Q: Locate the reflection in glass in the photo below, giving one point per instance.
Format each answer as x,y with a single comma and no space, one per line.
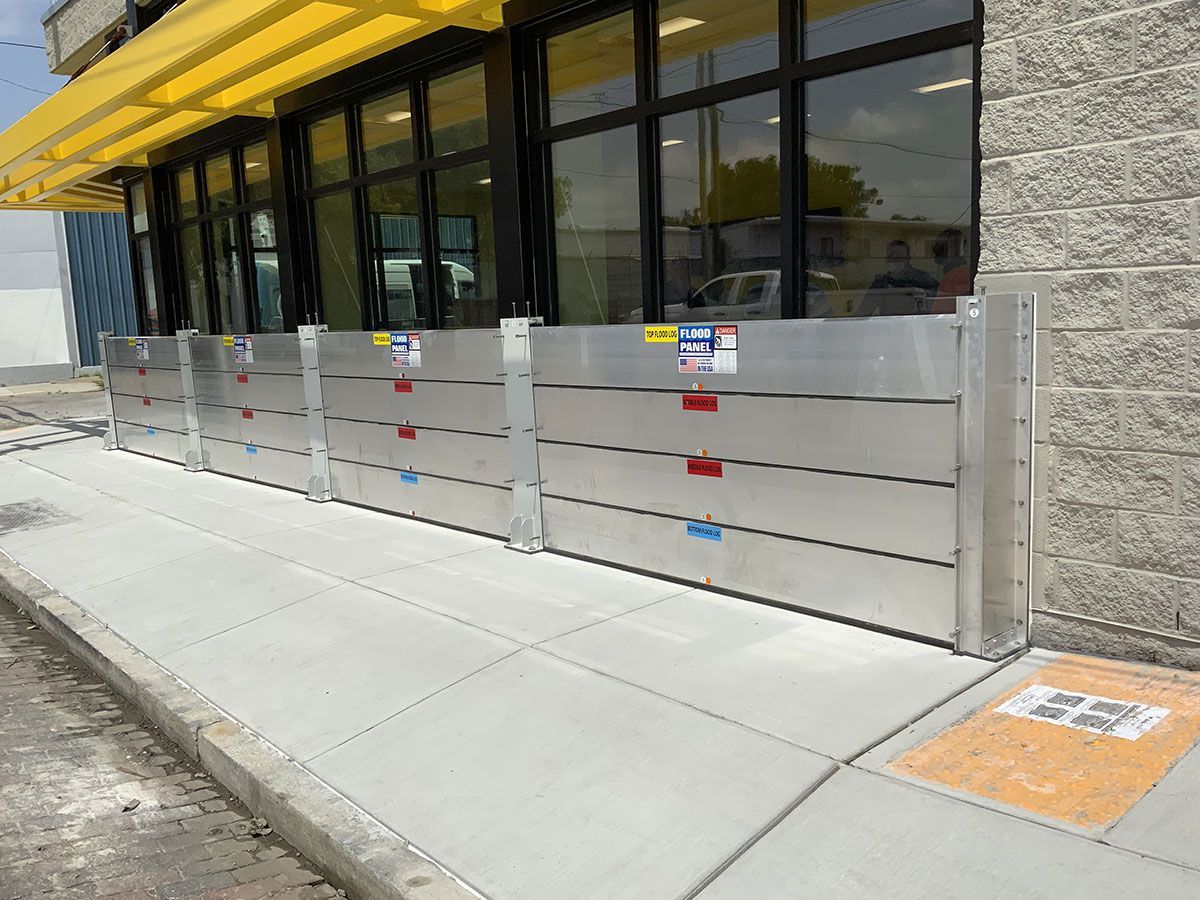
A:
185,194
397,278
387,132
146,265
137,204
466,243
218,181
831,26
458,111
327,158
257,173
597,238
266,271
590,70
227,278
721,190
337,262
191,263
703,42
888,228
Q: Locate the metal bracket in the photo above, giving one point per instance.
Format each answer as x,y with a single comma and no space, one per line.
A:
112,440
193,456
320,488
525,527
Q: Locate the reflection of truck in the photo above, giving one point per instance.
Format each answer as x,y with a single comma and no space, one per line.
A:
741,296
402,286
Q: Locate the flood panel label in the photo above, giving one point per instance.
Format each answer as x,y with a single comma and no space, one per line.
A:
247,414
243,378
142,373
145,401
402,387
406,349
151,432
699,403
243,348
662,334
381,339
707,349
709,467
251,450
141,348
408,478
704,531
227,340
1088,712
408,434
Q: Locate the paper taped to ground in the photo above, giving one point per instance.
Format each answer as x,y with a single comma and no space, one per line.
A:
1099,715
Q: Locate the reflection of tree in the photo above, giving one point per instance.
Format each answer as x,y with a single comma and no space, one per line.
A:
836,186
748,189
899,217
562,195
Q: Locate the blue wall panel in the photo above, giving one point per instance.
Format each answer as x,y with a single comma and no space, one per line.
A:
101,280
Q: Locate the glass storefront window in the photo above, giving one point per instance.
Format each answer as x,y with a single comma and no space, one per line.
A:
704,42
597,236
328,161
397,276
227,278
185,193
590,70
137,206
721,201
830,26
191,262
337,262
257,173
218,181
146,267
889,156
387,132
458,111
266,271
467,247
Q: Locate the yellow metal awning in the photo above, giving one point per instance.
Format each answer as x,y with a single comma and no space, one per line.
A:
204,61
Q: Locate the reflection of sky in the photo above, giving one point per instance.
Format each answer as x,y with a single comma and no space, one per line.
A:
914,148
20,21
870,23
603,173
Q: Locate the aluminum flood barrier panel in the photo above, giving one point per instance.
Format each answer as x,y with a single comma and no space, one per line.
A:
874,470
416,425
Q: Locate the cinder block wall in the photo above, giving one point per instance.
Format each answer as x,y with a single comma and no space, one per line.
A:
1090,135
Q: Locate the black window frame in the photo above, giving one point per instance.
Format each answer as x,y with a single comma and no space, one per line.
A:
423,169
134,238
540,19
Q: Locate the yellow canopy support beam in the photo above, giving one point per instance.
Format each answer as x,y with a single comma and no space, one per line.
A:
204,61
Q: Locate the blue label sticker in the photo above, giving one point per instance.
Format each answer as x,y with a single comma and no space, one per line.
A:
151,432
251,450
409,478
704,530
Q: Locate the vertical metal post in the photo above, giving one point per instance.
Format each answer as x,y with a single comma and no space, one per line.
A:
971,324
525,527
112,440
319,487
193,456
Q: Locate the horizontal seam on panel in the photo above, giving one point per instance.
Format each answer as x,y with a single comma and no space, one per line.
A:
148,397
411,424
734,393
155,427
743,462
384,378
305,453
297,373
760,531
256,409
355,462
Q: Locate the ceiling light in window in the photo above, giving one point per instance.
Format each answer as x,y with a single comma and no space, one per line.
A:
672,142
774,120
941,86
253,165
399,115
484,181
676,25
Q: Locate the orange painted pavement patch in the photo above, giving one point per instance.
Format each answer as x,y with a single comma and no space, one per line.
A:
1087,779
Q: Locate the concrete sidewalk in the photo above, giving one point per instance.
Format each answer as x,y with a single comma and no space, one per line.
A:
547,728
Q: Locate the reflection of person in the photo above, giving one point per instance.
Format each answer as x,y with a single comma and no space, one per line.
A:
956,274
901,277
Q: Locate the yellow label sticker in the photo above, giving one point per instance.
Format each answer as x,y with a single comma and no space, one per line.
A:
381,339
662,334
227,340
133,342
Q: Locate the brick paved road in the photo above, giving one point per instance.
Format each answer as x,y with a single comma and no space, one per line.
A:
74,759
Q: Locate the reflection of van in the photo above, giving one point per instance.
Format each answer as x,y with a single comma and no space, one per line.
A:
402,283
742,296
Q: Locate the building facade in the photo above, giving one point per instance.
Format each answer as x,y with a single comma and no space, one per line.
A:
441,165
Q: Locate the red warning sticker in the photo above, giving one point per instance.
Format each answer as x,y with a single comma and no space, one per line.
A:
402,387
403,431
709,467
243,378
700,402
247,414
145,401
141,372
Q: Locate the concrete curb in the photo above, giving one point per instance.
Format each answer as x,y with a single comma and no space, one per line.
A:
356,851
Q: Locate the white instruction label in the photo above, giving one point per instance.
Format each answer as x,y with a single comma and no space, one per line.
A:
1088,712
141,349
708,349
406,349
243,348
